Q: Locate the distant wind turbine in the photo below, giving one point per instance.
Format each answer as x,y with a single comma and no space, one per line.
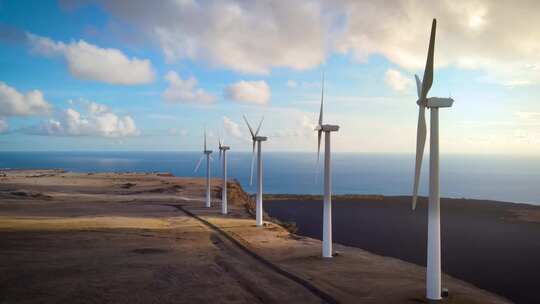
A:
433,275
327,207
223,151
206,153
257,140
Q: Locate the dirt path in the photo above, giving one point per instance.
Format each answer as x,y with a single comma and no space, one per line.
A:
234,245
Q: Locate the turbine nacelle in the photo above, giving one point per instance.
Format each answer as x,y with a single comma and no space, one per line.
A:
224,148
437,102
205,152
328,128
254,138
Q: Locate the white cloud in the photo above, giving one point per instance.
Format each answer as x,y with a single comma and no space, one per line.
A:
292,84
304,127
246,36
185,90
175,131
94,120
395,80
253,92
528,118
3,126
90,62
308,123
14,103
303,84
231,127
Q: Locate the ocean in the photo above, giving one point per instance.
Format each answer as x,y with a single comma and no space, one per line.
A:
503,178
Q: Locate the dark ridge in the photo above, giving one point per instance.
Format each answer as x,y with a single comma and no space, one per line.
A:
490,244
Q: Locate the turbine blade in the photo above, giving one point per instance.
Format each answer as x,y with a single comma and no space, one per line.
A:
418,86
259,127
428,71
220,152
249,127
322,101
319,135
204,138
252,163
211,158
198,164
420,144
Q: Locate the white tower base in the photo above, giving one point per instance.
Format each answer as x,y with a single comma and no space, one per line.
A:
224,191
259,201
327,207
433,275
208,202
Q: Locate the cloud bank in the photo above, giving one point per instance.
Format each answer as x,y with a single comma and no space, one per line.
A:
245,36
89,62
495,37
250,92
185,90
94,120
3,126
395,80
231,127
14,103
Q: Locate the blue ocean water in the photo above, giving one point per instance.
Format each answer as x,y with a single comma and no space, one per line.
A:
504,178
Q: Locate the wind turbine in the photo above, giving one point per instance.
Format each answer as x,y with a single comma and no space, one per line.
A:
257,140
223,151
327,205
433,274
206,153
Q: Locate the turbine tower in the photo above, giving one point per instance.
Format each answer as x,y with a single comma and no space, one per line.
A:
433,275
206,153
257,140
223,151
327,207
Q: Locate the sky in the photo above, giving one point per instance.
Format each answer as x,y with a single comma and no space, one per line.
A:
149,76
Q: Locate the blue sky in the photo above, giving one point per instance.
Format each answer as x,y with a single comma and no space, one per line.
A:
121,75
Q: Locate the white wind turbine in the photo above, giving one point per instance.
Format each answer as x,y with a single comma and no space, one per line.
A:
433,275
223,151
208,158
258,140
327,207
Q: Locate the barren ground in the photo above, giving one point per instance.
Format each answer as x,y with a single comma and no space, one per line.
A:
130,238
